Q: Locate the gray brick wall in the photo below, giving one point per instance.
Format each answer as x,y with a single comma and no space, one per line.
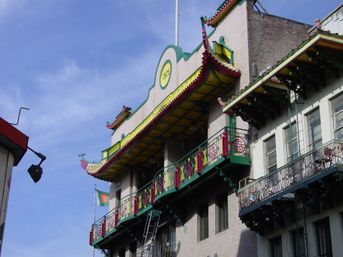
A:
271,38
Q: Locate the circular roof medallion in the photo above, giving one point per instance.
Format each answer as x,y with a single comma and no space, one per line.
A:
165,74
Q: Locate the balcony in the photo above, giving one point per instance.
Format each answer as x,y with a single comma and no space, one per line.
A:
311,178
228,146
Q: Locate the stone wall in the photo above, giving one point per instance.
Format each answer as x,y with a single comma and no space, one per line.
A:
271,38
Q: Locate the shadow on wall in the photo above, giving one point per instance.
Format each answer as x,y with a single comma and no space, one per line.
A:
247,244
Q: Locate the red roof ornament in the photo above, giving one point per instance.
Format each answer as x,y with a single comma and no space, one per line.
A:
222,11
121,117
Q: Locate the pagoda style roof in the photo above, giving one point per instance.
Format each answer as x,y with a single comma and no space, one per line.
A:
304,69
221,12
175,115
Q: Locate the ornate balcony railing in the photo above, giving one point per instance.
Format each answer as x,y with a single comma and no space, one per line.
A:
309,166
127,207
227,143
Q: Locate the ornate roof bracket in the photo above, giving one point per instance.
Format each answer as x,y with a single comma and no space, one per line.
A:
264,103
328,59
313,73
294,84
252,115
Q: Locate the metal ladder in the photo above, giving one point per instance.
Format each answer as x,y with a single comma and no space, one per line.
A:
150,231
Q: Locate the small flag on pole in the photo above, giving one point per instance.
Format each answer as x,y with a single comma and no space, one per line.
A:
102,197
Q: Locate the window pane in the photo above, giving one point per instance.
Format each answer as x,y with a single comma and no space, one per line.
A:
271,159
270,144
339,120
298,242
337,109
323,238
314,130
292,142
118,196
122,253
270,149
222,213
203,222
276,247
292,131
337,103
133,250
339,134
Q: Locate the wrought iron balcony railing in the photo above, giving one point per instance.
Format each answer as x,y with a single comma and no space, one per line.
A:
227,143
307,167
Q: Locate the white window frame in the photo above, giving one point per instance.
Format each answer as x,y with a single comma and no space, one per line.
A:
286,141
334,114
306,118
266,154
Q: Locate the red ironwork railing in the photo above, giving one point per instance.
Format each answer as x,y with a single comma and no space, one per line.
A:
165,180
225,143
303,168
145,197
127,207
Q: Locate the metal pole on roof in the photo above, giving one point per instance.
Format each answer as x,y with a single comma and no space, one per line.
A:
177,22
94,218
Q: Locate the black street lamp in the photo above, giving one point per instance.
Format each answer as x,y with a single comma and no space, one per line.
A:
36,171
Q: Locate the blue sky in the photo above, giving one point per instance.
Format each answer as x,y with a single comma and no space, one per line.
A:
74,63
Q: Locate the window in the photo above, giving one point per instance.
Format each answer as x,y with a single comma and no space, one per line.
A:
203,222
133,250
298,242
337,110
276,247
270,150
292,142
122,252
118,197
171,239
323,237
222,215
166,241
314,130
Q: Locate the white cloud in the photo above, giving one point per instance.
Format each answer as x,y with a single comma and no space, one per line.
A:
64,101
7,6
11,100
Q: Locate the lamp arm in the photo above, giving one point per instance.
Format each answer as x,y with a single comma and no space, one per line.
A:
40,155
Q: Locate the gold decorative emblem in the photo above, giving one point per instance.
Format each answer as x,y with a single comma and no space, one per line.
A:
165,74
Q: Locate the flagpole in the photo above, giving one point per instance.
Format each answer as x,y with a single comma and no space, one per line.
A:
94,219
177,22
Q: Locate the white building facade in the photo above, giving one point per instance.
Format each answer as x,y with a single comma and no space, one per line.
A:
292,197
